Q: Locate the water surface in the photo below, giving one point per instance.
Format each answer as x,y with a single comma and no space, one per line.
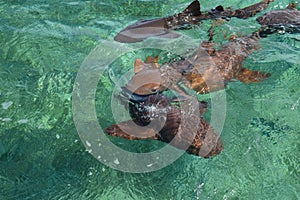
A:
43,44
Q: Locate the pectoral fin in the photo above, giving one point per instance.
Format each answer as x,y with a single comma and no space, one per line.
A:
131,131
249,76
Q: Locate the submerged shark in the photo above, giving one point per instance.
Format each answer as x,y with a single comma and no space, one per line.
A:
197,133
285,20
208,70
162,27
148,105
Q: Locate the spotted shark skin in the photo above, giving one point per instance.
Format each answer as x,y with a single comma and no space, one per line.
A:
162,27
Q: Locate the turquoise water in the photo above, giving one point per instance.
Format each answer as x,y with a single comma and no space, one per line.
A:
44,43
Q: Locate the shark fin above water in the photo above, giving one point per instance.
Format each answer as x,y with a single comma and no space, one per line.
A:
193,9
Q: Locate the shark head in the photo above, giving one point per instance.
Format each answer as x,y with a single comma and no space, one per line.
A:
147,78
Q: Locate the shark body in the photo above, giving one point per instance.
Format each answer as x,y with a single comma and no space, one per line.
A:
207,70
162,27
197,133
284,20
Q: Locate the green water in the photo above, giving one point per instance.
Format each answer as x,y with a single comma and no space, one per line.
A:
42,46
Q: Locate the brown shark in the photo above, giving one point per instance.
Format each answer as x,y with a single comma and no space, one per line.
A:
200,137
162,27
208,70
284,20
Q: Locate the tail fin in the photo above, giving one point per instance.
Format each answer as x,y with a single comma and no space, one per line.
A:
193,9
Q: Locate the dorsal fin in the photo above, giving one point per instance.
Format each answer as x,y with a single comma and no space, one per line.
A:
219,8
138,65
193,8
291,6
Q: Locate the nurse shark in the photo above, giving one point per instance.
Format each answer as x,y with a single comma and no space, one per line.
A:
280,21
162,27
195,136
147,104
208,70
